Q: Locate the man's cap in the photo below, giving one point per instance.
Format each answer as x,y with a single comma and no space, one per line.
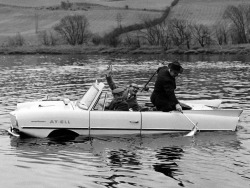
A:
175,66
118,90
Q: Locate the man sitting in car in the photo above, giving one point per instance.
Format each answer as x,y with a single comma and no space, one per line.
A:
129,93
118,103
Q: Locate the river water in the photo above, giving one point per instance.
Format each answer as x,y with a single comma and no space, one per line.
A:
214,159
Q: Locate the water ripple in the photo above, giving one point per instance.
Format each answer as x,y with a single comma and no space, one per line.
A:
208,160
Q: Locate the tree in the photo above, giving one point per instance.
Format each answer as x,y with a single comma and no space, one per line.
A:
180,32
36,22
155,34
74,29
119,19
201,34
240,21
221,33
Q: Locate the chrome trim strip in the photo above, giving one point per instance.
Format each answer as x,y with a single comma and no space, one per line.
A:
124,129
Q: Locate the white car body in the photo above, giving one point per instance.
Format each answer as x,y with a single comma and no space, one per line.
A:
88,117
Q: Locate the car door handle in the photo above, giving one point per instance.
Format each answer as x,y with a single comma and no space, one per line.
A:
134,121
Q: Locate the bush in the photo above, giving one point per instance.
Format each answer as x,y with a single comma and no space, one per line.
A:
66,5
132,41
17,40
47,38
111,40
96,40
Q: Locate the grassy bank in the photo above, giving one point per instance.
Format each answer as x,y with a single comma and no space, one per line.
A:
67,49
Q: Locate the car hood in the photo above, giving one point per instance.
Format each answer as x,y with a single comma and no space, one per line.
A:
64,104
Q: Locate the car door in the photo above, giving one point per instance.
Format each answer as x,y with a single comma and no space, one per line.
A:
163,122
114,122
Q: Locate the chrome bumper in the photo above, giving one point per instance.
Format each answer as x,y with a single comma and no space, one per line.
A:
14,132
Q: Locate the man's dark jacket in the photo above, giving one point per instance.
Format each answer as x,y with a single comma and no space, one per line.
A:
118,105
163,96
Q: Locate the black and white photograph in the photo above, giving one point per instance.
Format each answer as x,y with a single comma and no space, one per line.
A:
125,93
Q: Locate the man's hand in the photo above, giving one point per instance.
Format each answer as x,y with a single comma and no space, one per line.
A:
145,88
178,107
109,72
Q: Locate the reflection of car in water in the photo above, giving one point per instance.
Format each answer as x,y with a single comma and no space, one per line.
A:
167,165
49,118
165,156
125,157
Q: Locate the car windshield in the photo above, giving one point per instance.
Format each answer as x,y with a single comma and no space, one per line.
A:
88,98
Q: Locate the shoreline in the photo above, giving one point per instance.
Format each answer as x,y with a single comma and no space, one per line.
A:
99,50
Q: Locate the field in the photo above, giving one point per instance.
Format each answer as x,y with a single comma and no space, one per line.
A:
19,16
134,4
15,20
206,12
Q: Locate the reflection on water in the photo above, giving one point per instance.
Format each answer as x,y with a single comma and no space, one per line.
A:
209,160
167,165
122,157
137,161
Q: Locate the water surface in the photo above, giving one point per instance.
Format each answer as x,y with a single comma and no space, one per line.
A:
218,159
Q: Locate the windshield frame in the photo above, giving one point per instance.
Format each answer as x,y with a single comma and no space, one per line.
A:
89,98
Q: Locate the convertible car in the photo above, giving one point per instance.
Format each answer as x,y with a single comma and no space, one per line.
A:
88,116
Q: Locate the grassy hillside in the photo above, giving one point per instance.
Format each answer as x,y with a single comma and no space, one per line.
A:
19,15
205,12
34,3
137,4
101,19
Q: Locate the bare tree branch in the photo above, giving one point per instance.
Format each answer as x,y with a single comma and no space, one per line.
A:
74,29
